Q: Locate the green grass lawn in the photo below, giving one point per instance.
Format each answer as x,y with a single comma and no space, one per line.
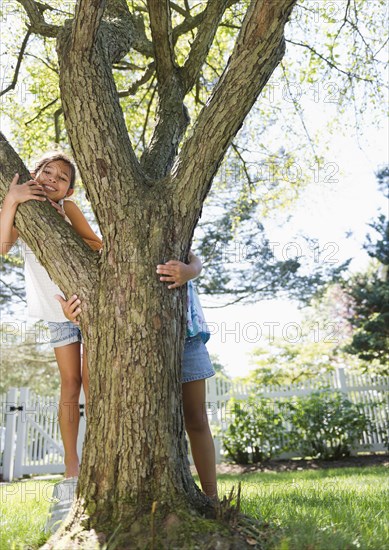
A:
334,509
23,509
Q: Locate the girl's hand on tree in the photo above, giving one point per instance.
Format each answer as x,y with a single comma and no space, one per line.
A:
175,272
71,308
58,208
31,190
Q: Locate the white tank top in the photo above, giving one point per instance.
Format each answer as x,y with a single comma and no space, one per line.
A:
40,291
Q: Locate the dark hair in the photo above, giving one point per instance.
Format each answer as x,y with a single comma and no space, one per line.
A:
52,157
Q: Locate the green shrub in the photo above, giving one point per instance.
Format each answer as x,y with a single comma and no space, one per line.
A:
256,432
323,425
326,424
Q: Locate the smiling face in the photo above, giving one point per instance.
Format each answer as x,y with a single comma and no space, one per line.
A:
55,178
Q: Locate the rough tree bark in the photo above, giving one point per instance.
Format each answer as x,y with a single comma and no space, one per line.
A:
134,453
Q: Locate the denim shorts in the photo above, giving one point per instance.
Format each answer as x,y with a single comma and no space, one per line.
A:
196,364
63,334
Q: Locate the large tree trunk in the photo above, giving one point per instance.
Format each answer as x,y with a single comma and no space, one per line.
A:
135,408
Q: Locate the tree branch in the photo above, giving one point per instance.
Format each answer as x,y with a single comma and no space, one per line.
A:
18,64
299,113
116,8
118,25
191,22
13,291
93,116
187,25
140,41
233,302
172,121
136,85
329,63
172,117
345,18
145,123
38,24
203,41
161,32
126,66
89,14
245,294
65,256
243,163
57,126
258,50
178,9
42,111
45,62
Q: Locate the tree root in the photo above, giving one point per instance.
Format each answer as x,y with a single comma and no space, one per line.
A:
222,527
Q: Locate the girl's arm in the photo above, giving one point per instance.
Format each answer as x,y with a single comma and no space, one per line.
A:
8,232
17,194
180,273
195,265
81,226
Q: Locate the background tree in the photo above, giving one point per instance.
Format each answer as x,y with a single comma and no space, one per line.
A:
243,265
310,348
369,295
11,281
147,201
218,367
27,359
285,362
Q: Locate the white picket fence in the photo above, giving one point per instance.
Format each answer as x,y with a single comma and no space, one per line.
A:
366,390
30,437
31,443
